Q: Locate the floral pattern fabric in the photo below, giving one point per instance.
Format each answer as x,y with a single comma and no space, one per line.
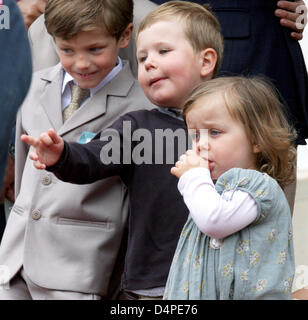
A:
256,262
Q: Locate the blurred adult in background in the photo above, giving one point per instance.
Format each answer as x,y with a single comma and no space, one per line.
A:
31,10
15,80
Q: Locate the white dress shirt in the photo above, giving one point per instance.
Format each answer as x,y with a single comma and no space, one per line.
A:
66,91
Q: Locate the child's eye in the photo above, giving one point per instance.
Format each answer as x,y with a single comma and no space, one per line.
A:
95,49
142,59
66,50
163,51
214,132
195,136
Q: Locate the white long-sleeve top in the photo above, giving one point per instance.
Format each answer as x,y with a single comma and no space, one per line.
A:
215,215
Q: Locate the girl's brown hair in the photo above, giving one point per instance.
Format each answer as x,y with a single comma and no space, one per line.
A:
255,103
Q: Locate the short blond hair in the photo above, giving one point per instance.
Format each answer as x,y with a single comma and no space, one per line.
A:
66,18
201,27
254,102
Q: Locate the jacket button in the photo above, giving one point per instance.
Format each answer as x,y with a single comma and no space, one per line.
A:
36,214
46,180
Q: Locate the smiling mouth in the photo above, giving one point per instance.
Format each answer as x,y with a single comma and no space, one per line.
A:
156,81
85,75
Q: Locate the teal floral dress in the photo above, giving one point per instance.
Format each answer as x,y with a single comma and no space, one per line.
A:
256,262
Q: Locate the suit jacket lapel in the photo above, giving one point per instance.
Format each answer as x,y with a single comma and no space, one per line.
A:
96,106
50,99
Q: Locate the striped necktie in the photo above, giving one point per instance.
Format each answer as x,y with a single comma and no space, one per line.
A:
77,96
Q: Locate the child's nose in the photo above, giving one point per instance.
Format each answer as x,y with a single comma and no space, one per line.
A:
203,150
203,142
82,62
150,63
202,146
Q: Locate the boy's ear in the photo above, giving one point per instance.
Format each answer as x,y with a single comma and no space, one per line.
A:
126,36
208,61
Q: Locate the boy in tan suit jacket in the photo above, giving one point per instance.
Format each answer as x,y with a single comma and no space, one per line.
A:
62,240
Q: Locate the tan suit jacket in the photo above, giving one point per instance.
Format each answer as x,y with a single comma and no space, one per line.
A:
67,236
44,53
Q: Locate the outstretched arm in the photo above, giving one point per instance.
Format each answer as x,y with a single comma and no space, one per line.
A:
47,148
80,163
293,15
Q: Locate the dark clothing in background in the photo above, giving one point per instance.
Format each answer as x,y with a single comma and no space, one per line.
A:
15,78
256,44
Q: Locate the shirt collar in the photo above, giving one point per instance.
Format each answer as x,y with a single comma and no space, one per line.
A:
173,112
67,78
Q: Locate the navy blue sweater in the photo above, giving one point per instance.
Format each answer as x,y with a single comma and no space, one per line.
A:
157,210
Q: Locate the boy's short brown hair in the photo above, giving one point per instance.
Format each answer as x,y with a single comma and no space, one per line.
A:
201,27
66,18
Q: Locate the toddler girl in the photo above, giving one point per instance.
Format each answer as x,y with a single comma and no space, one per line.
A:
237,242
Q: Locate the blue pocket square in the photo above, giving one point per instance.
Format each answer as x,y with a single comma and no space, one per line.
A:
86,137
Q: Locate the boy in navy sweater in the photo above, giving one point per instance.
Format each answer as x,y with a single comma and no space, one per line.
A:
142,146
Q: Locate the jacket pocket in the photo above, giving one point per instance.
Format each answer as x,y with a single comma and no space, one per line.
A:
84,223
